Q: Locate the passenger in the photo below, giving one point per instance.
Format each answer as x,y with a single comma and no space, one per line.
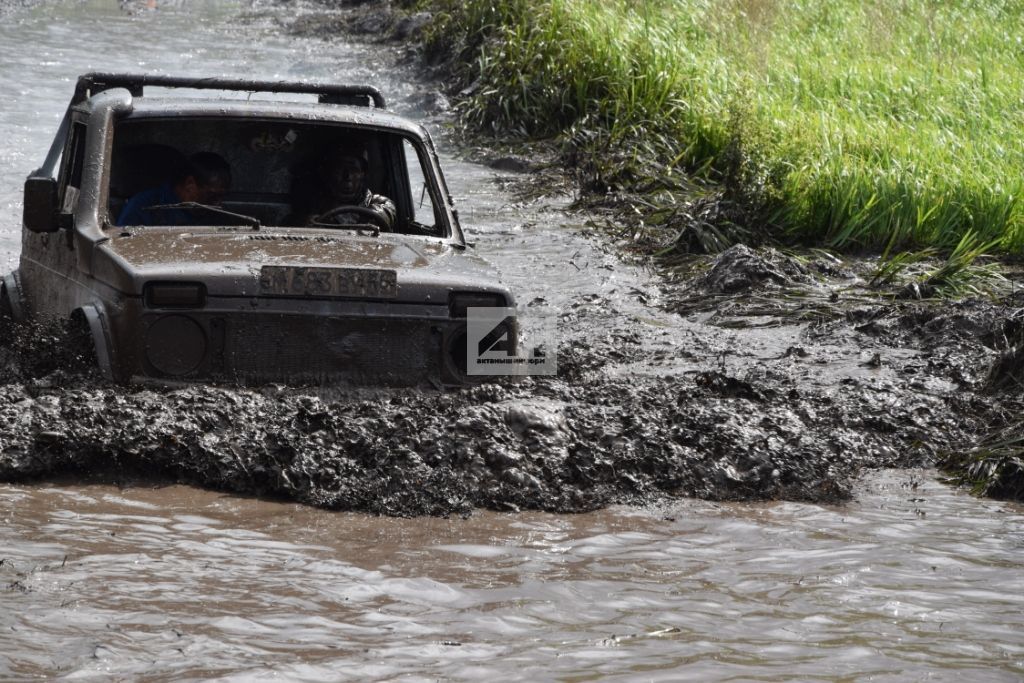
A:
343,183
204,179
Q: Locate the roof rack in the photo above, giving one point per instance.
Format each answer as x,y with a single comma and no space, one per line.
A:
359,95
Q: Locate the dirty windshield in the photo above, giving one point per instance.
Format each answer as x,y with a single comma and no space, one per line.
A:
223,171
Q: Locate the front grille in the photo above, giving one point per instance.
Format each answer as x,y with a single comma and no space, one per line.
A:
297,348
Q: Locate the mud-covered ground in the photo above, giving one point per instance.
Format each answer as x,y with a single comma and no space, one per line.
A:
784,378
751,375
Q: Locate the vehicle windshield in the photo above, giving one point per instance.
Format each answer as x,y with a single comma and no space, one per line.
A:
257,173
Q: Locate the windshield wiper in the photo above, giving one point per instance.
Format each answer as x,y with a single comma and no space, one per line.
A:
196,206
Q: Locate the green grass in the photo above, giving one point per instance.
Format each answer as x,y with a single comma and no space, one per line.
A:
994,468
958,276
848,123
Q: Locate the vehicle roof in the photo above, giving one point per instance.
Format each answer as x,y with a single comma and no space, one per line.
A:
160,107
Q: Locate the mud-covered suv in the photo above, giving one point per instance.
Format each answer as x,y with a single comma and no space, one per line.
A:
244,293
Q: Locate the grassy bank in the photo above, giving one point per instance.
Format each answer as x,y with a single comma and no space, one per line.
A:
851,123
994,468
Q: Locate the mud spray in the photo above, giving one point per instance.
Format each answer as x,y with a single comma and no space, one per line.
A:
861,386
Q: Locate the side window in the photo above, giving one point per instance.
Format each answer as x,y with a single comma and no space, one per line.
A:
72,163
423,209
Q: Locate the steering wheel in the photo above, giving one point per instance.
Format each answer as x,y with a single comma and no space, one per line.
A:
371,216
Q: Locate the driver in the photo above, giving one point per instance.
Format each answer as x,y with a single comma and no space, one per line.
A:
343,178
204,179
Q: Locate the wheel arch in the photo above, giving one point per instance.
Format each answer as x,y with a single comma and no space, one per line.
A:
93,316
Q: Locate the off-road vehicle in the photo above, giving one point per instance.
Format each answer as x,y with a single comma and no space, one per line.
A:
242,294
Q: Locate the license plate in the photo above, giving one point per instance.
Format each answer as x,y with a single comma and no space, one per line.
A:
365,283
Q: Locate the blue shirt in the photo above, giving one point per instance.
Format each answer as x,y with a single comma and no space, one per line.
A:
137,210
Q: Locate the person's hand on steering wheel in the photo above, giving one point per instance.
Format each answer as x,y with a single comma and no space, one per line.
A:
330,217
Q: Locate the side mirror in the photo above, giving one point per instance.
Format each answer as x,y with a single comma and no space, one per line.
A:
40,214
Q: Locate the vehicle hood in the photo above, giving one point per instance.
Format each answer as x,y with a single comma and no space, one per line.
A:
228,261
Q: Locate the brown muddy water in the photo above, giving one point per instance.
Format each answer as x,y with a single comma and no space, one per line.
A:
913,581
765,377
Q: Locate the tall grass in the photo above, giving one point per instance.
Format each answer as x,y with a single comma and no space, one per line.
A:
852,123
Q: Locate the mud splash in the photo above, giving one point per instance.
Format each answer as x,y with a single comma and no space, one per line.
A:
892,385
553,447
